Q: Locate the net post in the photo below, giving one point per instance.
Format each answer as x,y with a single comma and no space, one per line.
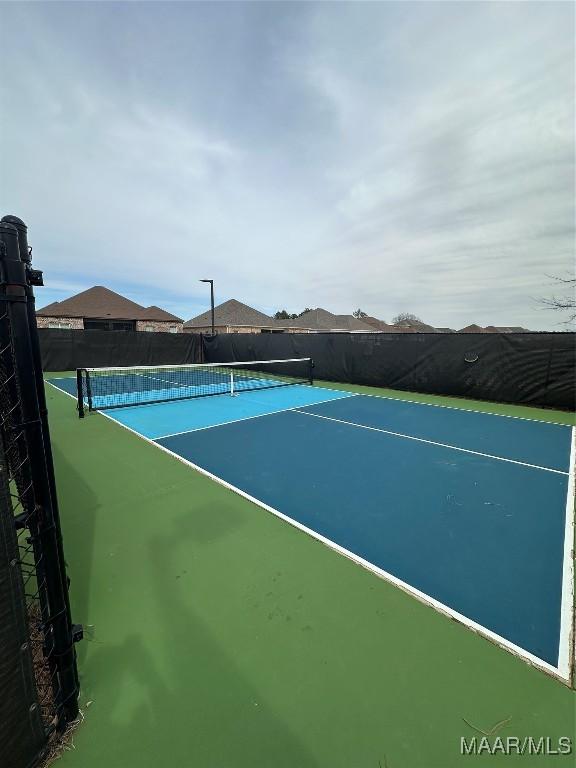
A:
311,371
232,383
80,393
88,390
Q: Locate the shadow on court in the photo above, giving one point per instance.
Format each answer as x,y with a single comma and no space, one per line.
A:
79,507
181,699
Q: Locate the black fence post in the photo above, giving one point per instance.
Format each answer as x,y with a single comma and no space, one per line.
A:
80,391
59,633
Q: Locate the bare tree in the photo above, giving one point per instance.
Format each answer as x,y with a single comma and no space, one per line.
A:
405,317
566,303
359,314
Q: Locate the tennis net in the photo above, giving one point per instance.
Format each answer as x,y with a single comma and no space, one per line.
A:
103,388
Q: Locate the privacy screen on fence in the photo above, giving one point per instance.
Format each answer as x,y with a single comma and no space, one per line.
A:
528,368
64,350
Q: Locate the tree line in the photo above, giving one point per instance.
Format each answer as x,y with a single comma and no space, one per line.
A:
283,315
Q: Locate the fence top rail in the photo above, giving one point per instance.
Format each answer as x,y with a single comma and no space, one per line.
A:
234,364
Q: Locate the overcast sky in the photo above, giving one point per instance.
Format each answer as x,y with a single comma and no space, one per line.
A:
390,156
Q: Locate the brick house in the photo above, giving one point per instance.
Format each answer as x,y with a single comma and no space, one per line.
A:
99,308
232,316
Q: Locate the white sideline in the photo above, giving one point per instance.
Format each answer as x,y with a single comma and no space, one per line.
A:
431,442
567,649
448,407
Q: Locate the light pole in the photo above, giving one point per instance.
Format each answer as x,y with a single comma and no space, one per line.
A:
211,300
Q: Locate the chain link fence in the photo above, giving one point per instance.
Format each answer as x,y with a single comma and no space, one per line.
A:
38,673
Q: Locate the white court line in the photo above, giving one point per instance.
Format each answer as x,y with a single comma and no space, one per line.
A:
59,389
430,442
224,383
567,649
558,672
164,381
256,416
449,407
196,366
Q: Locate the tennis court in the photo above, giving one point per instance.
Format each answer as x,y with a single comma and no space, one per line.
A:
470,512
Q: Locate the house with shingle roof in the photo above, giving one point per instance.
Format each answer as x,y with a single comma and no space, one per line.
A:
406,326
382,327
416,326
232,316
493,329
319,319
473,329
506,329
99,308
235,317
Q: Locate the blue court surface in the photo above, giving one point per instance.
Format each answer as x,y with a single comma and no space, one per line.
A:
470,512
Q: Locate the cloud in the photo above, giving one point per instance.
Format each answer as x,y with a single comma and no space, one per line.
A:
392,156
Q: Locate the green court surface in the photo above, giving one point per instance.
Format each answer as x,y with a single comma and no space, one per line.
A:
219,636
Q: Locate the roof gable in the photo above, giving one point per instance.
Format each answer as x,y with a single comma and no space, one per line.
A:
380,325
158,314
416,325
506,329
314,318
101,302
473,329
231,312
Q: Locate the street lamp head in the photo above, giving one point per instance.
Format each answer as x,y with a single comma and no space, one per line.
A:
206,281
